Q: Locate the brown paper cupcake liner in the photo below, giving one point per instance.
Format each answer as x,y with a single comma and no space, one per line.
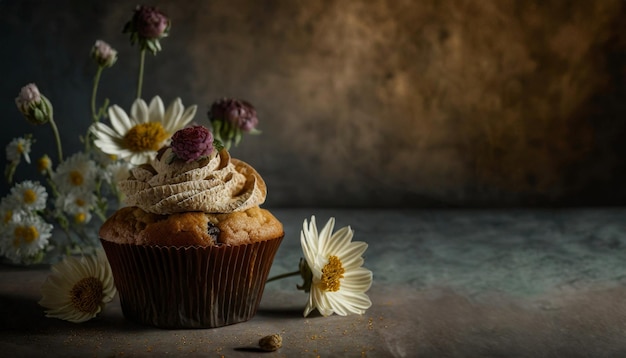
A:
190,287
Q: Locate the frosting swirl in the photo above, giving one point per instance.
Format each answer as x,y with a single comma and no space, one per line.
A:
214,184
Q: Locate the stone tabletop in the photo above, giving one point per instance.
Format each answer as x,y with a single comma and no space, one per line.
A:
447,283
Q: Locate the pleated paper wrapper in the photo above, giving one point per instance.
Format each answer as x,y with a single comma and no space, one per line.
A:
190,287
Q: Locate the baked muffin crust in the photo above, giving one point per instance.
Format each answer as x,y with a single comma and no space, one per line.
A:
132,225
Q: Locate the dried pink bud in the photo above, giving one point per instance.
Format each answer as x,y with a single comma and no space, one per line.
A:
192,143
35,107
29,96
103,54
150,23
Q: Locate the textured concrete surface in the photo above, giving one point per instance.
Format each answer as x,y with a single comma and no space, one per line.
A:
363,103
446,284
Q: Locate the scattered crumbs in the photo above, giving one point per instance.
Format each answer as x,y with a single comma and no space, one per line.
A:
149,349
345,332
370,324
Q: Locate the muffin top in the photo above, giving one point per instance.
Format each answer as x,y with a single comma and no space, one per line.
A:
133,225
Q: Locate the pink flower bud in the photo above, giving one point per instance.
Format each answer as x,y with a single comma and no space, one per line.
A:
192,143
29,96
103,54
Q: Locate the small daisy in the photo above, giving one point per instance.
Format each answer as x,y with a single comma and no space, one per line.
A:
337,281
78,288
118,171
138,137
77,203
25,238
17,148
9,212
44,164
29,195
78,172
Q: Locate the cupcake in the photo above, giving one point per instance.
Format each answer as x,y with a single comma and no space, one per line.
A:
192,248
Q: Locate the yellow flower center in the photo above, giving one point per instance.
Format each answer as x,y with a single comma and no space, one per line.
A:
8,215
20,148
25,233
79,202
29,196
87,294
145,136
80,218
76,178
332,272
43,164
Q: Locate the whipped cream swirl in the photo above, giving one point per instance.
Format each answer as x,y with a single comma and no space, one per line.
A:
215,184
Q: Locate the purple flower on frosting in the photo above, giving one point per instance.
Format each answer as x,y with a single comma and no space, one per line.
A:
192,143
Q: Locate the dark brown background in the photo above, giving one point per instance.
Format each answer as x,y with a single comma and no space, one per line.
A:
378,103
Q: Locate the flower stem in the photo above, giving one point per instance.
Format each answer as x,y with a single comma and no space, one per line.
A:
57,138
96,83
142,60
284,275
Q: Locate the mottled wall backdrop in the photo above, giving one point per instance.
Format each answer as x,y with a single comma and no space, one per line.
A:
362,103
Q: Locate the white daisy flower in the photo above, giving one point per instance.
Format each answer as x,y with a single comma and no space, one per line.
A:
44,164
338,282
138,137
29,195
118,171
25,238
77,172
78,288
78,203
10,213
17,148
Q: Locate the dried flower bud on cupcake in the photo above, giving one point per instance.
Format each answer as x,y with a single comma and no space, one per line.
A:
103,54
192,143
147,26
230,118
35,107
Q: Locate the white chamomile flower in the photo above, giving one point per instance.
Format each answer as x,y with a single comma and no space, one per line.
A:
77,172
119,171
78,203
136,138
17,148
25,238
78,288
337,282
10,211
29,195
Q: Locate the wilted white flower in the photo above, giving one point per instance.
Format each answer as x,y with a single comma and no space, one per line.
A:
25,238
29,195
138,137
78,172
78,288
17,148
338,282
